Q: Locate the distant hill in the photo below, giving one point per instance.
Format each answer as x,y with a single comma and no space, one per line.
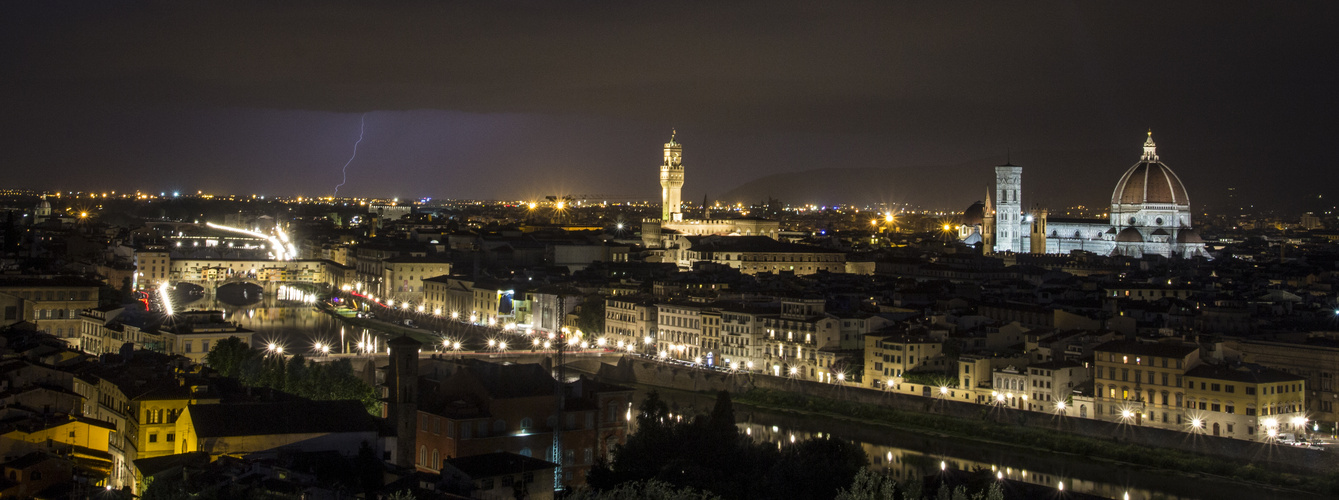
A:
1056,179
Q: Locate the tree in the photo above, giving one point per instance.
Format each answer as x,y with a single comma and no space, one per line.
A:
870,485
297,379
590,315
369,470
722,419
815,468
646,490
228,355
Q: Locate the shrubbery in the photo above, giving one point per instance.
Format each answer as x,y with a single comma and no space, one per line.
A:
327,381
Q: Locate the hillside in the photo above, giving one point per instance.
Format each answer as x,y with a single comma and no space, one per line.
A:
1051,179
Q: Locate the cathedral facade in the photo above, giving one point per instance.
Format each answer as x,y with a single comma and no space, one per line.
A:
1150,215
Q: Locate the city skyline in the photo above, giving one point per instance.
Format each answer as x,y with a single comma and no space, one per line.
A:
490,103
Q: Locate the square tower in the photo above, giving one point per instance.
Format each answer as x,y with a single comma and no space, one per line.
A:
1008,208
671,181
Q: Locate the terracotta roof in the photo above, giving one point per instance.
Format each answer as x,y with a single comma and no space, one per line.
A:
1149,182
286,417
1130,235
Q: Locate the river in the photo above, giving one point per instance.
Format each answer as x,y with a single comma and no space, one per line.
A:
902,454
905,455
292,323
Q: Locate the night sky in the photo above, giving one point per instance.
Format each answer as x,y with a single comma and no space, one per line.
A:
523,99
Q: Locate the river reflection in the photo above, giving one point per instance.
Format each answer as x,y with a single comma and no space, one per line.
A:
905,455
293,323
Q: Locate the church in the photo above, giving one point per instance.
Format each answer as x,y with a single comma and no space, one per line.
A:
1150,215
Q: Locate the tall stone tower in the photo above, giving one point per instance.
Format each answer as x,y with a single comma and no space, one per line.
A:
402,397
1008,208
671,181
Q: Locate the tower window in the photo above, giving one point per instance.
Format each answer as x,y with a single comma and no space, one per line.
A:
1158,221
1131,221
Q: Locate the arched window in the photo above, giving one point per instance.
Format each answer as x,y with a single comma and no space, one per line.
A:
526,424
423,455
436,460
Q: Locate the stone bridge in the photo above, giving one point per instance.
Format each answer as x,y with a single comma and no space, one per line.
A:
269,287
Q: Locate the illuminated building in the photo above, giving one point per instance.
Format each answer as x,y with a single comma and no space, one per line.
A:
665,231
1150,215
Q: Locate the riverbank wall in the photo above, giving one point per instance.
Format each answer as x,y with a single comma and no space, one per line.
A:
1280,457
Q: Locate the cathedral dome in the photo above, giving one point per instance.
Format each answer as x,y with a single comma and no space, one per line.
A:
1129,235
1149,182
974,214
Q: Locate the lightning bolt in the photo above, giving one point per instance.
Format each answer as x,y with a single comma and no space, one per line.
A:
362,125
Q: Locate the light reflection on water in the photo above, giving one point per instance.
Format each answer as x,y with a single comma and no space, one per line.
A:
289,322
905,455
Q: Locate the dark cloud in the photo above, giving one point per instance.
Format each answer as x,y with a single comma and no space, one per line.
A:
762,86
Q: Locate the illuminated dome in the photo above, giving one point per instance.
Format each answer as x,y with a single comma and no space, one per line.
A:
1150,196
1149,182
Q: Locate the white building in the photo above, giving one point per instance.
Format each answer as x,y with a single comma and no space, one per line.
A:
1150,215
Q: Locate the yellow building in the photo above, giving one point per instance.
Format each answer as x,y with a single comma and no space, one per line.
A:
888,357
1142,383
84,439
1245,402
156,412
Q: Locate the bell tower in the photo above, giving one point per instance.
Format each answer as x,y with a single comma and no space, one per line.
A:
671,181
1008,208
